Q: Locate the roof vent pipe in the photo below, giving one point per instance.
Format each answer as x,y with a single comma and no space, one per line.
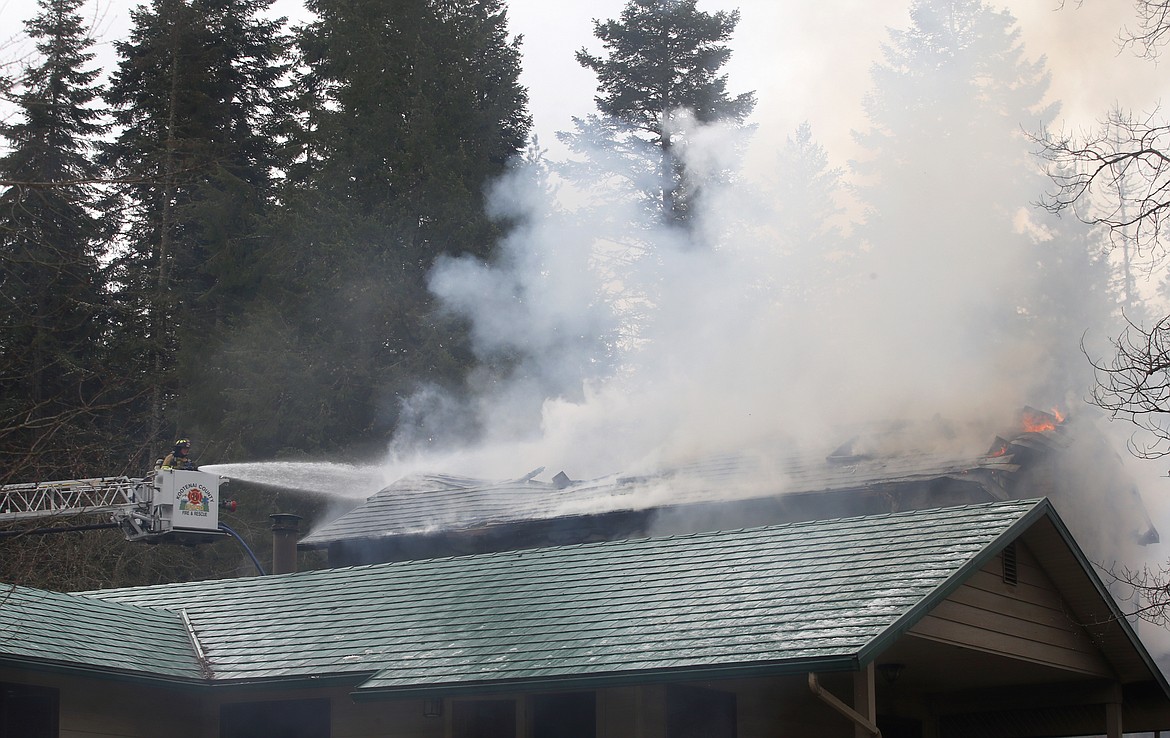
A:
285,529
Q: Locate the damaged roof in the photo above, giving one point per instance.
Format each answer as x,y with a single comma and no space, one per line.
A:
819,595
426,504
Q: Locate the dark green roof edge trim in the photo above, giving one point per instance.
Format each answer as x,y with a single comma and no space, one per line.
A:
351,679
612,679
102,673
196,684
874,648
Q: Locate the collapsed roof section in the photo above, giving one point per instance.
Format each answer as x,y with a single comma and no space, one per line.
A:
888,469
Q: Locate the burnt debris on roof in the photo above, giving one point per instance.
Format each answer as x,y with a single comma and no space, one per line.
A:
886,468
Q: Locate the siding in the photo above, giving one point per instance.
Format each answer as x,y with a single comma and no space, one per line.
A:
397,718
1027,620
97,708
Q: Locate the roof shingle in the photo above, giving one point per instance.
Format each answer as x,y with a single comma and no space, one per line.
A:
805,593
76,631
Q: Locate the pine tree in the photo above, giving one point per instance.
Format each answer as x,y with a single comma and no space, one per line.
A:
422,105
410,108
53,327
198,100
808,212
662,64
949,179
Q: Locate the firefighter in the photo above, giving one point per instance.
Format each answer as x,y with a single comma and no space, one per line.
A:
180,457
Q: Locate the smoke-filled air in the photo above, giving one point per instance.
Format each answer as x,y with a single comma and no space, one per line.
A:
835,221
807,295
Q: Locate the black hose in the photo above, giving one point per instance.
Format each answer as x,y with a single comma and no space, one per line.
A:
243,543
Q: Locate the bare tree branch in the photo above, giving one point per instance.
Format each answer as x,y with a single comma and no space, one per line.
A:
1134,384
1117,177
1146,592
1153,27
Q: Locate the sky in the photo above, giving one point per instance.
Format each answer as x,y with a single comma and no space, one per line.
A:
807,60
811,60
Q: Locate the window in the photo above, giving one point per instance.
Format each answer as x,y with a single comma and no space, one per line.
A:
277,719
899,727
27,711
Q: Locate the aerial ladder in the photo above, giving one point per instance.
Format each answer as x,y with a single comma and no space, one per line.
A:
169,505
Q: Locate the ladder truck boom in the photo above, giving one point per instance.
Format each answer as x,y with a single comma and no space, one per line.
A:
65,498
171,504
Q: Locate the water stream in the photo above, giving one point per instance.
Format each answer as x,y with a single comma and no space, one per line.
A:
342,480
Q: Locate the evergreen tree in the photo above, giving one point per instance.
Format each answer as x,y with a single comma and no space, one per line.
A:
662,64
53,329
421,106
949,180
809,213
198,101
411,107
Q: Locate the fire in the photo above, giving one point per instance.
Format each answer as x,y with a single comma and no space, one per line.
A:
1031,421
1038,421
999,448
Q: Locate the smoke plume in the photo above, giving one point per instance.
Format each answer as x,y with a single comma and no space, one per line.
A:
626,347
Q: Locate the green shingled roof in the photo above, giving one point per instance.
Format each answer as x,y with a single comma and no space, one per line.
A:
69,630
797,596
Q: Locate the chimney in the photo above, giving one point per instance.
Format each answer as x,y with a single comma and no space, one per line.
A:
285,528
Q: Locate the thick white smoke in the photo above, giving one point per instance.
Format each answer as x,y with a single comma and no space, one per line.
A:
720,346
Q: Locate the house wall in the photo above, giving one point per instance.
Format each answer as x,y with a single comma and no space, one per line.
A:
779,707
619,712
776,707
89,708
100,707
349,719
785,707
764,708
1026,620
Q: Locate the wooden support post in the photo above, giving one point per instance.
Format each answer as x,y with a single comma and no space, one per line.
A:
1113,720
865,700
866,724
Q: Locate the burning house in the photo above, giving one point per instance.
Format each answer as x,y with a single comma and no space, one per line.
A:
885,592
882,469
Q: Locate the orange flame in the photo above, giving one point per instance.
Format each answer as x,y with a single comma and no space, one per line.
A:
1000,448
1036,421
